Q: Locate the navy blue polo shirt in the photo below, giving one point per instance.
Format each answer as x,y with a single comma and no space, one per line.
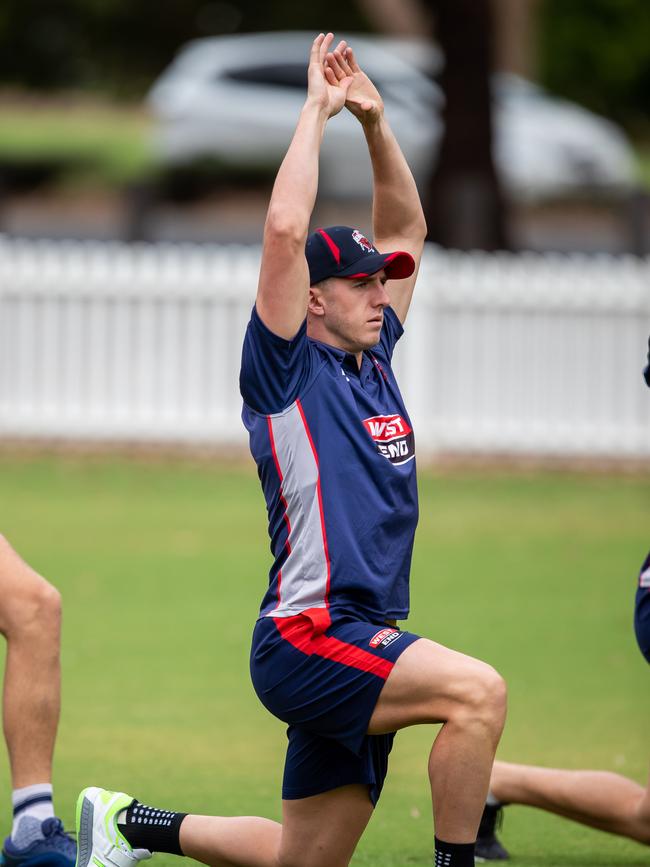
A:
335,453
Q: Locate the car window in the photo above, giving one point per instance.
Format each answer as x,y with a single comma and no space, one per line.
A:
291,75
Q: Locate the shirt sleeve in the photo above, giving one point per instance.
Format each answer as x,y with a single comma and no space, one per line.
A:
391,332
274,371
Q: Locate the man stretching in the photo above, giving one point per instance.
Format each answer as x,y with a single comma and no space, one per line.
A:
335,452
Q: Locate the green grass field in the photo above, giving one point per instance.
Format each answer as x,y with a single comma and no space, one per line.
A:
162,566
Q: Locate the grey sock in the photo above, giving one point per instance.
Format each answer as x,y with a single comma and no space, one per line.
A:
492,801
28,830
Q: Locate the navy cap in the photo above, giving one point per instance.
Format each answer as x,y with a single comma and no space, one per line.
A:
341,251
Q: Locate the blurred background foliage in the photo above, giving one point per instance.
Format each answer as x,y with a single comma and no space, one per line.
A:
598,53
74,75
594,51
118,46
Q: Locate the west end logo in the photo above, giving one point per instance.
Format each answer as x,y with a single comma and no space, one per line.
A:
393,436
385,637
362,241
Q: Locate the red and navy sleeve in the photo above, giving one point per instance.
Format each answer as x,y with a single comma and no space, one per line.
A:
274,371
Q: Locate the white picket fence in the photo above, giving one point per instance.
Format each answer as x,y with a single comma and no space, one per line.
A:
503,353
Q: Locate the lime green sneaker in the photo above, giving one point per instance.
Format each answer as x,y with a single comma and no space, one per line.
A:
99,842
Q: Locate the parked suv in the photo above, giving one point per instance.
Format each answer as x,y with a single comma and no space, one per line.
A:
237,99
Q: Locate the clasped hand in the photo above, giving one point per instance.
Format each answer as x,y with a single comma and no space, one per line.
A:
336,79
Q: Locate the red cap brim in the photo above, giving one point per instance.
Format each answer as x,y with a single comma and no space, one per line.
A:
397,266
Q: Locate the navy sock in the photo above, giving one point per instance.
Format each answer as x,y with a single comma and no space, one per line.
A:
454,854
153,829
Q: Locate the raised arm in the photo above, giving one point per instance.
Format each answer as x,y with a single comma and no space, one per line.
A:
397,217
283,288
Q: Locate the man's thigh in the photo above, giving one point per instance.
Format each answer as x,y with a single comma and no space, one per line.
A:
428,684
323,831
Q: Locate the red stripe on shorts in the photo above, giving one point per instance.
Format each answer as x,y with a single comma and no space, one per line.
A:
300,631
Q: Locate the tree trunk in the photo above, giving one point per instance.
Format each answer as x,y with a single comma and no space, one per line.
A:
465,208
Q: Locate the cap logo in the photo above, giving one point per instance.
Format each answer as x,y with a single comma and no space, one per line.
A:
362,241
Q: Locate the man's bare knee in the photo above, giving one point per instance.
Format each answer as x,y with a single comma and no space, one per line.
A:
308,859
643,833
27,601
285,860
49,604
33,612
637,827
483,700
45,608
642,822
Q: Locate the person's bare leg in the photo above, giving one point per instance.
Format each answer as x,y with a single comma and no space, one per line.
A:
429,684
321,831
30,620
246,841
603,800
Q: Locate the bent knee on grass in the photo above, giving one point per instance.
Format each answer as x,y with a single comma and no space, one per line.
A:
642,819
310,859
323,830
33,611
312,854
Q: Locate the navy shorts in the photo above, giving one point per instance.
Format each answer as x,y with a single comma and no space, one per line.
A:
323,678
642,609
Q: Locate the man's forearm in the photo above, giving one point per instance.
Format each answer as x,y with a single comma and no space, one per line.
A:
397,209
296,184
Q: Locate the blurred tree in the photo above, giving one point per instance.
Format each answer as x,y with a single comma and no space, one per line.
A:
598,53
119,45
515,36
399,17
465,207
463,204
595,51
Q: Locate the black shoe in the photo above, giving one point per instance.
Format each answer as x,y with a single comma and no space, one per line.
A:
488,847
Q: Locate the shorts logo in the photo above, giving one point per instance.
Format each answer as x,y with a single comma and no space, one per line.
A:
644,579
384,637
393,436
362,241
